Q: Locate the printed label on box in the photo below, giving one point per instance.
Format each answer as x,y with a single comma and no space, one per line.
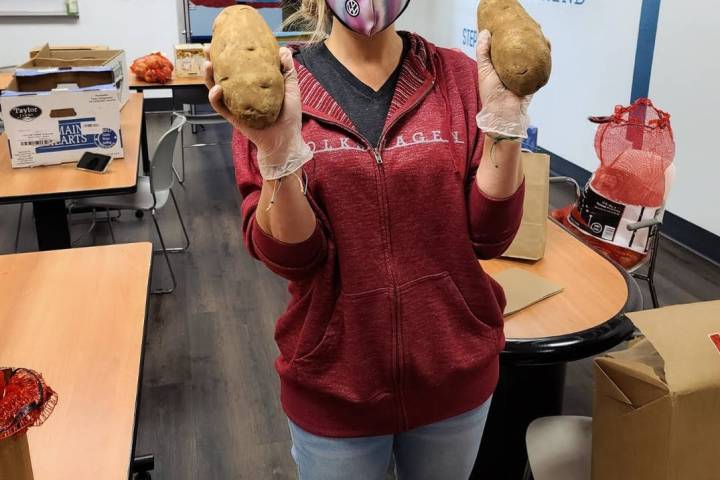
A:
39,138
26,113
91,128
715,338
72,136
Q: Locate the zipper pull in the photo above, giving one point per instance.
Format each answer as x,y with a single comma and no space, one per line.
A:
378,158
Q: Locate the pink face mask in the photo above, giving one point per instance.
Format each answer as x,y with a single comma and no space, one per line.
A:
367,17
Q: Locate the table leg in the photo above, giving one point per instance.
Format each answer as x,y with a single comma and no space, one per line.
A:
144,140
53,232
524,394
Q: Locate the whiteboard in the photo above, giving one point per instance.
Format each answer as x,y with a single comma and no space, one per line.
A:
21,8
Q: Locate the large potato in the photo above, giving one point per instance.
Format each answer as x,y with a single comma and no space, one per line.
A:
519,51
246,63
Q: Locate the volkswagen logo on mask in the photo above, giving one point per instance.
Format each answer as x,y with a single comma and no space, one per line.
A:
352,7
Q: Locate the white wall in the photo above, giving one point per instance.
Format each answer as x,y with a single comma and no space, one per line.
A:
33,6
593,52
137,26
684,82
594,43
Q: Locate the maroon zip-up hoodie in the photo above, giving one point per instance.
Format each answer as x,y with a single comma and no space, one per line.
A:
392,322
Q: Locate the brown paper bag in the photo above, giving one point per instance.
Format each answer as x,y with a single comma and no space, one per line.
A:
530,241
15,459
657,404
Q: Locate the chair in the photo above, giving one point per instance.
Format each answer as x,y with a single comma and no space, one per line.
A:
559,448
650,260
193,97
153,192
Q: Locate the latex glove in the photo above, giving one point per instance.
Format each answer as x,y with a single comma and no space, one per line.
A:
503,113
281,148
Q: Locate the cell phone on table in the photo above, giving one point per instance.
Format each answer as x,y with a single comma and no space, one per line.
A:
94,162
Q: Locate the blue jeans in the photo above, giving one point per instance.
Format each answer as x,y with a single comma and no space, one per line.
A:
441,451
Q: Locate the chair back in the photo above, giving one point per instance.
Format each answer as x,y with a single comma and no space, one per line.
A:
205,119
161,166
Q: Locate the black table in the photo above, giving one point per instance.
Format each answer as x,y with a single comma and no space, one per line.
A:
533,364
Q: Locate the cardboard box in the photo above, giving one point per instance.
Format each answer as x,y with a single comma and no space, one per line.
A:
657,404
34,51
531,239
52,60
15,458
189,60
52,126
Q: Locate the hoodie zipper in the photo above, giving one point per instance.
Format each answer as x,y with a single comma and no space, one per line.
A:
378,157
398,368
398,373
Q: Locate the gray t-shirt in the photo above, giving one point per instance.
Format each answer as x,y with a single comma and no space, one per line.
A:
366,108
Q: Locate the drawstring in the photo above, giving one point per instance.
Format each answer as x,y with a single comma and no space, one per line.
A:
278,185
441,85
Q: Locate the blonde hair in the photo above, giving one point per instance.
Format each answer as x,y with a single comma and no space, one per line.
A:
312,16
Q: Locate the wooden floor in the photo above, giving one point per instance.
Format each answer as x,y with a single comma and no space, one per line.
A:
209,405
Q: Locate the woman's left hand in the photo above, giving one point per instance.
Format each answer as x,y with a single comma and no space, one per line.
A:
503,113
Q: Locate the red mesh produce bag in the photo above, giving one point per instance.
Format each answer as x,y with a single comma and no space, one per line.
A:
25,401
214,3
636,149
153,68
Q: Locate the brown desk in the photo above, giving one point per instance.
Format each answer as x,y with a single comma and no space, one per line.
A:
5,79
193,86
586,319
78,316
49,186
137,84
594,290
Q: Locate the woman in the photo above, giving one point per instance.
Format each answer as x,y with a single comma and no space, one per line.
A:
375,194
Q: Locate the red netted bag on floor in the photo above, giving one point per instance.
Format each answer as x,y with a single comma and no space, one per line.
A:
214,3
153,68
636,149
25,401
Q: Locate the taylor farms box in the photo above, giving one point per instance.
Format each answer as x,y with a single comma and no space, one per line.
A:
49,60
189,60
57,125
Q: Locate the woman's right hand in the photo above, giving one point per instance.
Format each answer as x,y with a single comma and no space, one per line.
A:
502,112
281,149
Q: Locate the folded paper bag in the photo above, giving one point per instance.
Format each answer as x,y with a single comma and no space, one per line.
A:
524,289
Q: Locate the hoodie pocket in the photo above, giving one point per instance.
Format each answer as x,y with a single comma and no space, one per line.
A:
499,297
441,337
353,361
